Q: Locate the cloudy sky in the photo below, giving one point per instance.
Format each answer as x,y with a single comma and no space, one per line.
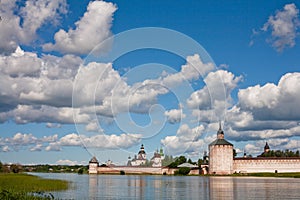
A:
84,78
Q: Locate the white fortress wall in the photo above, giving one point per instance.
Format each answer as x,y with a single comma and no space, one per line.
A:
256,165
133,170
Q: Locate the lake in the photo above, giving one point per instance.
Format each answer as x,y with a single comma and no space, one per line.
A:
175,187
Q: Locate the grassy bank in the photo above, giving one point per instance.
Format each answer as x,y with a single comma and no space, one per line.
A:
23,186
287,175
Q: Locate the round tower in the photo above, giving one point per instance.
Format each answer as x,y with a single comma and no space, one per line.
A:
220,155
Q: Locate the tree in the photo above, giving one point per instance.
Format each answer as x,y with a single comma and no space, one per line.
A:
80,171
234,153
182,171
167,160
178,161
15,168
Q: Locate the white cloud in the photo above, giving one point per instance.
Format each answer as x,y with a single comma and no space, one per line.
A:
275,144
70,162
174,115
284,26
91,29
252,149
93,127
100,141
38,147
53,125
27,141
273,102
262,134
5,149
219,86
36,13
53,146
192,70
187,140
24,114
20,24
72,139
23,139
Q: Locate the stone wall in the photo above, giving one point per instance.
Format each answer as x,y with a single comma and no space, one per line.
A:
254,165
129,170
221,159
141,170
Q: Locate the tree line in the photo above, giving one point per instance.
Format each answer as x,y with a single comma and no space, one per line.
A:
280,154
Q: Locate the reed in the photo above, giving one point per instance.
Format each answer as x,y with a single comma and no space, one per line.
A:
25,186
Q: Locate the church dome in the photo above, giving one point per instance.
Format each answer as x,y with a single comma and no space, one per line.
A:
142,150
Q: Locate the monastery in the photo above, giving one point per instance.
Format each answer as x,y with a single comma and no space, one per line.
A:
221,162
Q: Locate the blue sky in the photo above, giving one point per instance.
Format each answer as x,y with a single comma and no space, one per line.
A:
165,76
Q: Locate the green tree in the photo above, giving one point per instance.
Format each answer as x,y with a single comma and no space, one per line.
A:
178,161
80,171
167,160
182,171
15,168
234,153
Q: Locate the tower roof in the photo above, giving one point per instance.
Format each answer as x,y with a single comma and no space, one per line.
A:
220,142
93,160
220,131
266,146
220,138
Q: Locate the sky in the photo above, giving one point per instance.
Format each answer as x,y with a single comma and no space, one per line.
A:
99,78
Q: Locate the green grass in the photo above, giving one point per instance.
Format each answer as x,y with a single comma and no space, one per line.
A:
288,175
23,186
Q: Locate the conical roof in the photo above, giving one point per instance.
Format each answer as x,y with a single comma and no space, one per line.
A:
93,160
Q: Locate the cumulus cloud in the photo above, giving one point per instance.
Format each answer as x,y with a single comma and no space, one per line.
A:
5,149
211,102
93,127
100,141
262,134
271,101
53,125
284,27
70,162
187,140
192,70
38,147
28,79
91,29
174,115
20,24
24,114
275,144
24,140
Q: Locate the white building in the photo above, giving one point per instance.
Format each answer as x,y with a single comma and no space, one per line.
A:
157,158
139,159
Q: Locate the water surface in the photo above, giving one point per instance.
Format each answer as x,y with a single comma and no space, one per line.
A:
175,187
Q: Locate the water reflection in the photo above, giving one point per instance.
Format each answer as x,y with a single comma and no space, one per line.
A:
221,188
176,187
93,186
